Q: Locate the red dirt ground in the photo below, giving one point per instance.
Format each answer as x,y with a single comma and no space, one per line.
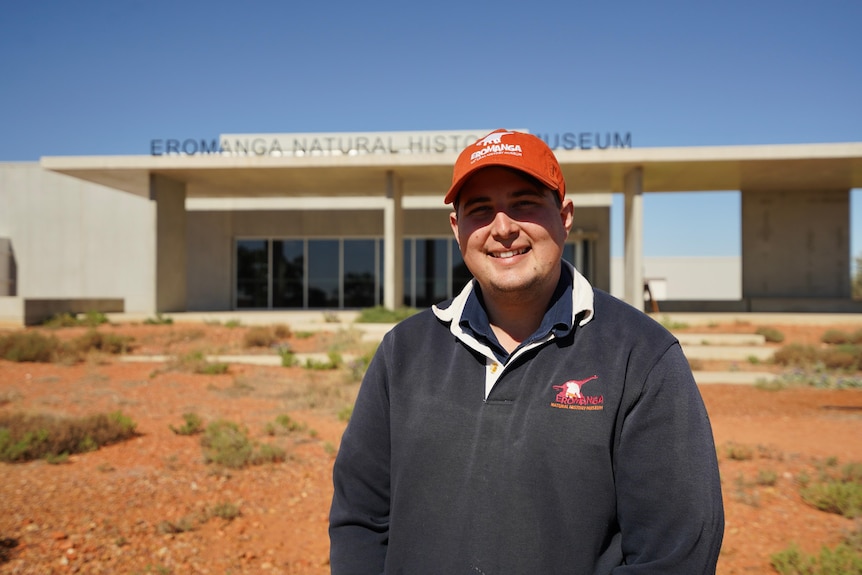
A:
105,511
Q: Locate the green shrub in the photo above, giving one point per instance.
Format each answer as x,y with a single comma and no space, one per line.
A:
159,320
89,319
738,452
196,362
841,495
95,340
345,414
25,437
845,357
30,346
835,337
225,510
284,424
193,425
817,377
381,314
226,443
771,334
288,358
796,354
845,559
334,361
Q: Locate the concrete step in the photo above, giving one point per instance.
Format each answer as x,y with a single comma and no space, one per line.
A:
737,339
731,377
728,352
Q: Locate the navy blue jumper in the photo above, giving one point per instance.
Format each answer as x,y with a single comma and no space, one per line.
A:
587,452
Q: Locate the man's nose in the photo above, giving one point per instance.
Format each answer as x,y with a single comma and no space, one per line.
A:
503,226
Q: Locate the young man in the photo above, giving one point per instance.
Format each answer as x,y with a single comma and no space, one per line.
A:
531,425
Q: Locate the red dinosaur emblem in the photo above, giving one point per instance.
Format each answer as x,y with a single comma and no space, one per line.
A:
572,388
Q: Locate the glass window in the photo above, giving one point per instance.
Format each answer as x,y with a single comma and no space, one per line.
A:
288,268
460,274
409,288
431,271
252,277
323,268
359,273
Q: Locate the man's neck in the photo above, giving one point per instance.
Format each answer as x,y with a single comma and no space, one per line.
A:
516,316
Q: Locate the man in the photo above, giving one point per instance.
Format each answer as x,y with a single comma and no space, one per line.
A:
532,425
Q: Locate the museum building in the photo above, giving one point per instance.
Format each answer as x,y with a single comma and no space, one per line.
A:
353,220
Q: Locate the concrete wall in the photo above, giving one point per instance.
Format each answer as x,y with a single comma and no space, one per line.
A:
73,239
687,278
796,244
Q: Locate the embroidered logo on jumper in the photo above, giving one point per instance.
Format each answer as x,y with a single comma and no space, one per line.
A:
570,395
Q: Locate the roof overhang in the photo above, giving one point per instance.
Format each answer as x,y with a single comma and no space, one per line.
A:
774,167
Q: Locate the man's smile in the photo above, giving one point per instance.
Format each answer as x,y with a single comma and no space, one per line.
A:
510,253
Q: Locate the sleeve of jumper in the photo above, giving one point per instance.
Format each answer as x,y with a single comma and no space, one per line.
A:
669,499
359,516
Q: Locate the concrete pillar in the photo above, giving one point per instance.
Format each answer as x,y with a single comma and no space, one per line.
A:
170,265
633,255
393,244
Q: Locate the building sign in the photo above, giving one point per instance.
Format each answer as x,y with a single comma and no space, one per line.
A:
362,143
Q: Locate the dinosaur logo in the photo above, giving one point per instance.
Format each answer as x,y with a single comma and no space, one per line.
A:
490,139
571,396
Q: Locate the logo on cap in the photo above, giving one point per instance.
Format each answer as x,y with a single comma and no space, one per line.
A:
492,144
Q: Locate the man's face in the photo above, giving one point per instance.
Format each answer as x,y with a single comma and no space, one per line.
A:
511,232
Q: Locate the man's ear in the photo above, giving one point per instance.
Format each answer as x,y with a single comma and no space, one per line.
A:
453,222
567,213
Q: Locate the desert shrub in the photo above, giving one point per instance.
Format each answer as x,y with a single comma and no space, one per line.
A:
845,559
259,336
835,337
817,377
841,494
288,358
381,314
847,357
226,443
24,437
196,362
281,330
193,425
284,424
30,346
738,452
767,477
89,319
670,324
796,354
159,320
771,334
333,361
345,413
95,340
225,510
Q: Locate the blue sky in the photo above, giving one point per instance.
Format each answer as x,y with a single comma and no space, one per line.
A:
106,77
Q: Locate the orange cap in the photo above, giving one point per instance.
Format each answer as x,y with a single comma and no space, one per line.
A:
524,152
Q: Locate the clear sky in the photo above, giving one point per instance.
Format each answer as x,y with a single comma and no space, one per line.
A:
105,77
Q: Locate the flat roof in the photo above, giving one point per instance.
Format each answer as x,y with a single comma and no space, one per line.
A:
782,167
